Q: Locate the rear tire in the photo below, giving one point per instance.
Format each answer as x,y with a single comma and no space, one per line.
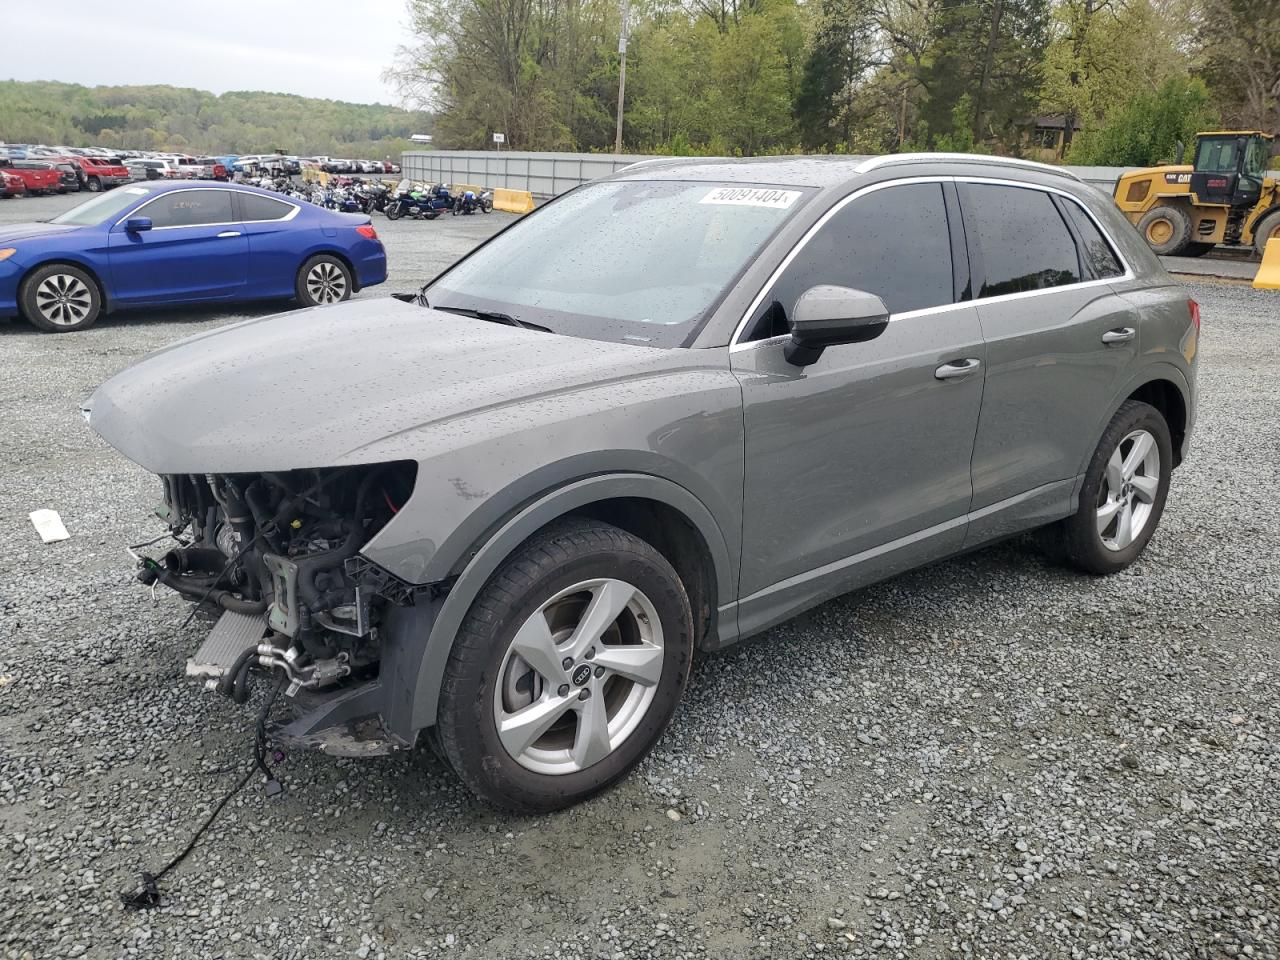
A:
1166,230
60,298
321,280
1123,495
1268,229
522,730
1197,249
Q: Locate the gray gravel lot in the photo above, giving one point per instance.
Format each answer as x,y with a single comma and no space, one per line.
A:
989,758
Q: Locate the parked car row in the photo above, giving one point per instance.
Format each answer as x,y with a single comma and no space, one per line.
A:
95,168
60,173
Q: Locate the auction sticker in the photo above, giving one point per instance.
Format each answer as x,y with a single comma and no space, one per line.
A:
752,197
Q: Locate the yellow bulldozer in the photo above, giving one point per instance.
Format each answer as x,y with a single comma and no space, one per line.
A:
1225,196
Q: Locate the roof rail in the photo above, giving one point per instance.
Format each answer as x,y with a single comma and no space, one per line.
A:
892,158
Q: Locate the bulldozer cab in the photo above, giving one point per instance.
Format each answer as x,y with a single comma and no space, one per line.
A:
1229,167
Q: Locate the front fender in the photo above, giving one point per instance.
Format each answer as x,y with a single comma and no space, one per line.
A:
419,639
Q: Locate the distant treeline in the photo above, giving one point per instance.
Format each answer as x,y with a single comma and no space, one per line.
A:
1087,81
179,119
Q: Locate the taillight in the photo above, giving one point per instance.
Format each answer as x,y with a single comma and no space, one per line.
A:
366,230
1195,314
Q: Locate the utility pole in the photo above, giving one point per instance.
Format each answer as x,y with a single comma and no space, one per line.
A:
622,73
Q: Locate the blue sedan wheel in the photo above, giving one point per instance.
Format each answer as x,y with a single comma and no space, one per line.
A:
60,298
323,279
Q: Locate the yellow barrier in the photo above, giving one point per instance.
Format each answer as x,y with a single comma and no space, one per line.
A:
512,201
1268,277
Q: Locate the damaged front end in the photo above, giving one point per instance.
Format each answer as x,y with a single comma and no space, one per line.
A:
278,555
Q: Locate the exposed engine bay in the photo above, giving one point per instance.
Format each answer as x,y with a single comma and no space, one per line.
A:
278,555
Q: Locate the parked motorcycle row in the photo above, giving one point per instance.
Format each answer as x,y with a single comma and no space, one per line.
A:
416,201
421,201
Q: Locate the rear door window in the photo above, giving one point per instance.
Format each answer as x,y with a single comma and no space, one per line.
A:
893,242
189,208
1021,240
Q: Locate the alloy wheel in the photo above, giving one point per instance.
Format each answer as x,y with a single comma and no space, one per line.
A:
579,676
64,300
326,283
1129,487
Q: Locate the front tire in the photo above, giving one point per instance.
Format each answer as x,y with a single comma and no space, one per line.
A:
1123,495
95,185
567,668
60,298
1268,229
323,279
1166,230
393,211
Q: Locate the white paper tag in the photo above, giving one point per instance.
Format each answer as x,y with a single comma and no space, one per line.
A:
752,197
49,525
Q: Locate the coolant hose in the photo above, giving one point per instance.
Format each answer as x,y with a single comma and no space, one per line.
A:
308,567
223,598
227,683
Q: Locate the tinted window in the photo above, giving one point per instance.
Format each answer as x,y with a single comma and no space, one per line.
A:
892,242
254,207
187,208
1099,259
1024,243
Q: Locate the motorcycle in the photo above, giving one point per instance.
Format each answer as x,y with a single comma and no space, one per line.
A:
470,202
412,203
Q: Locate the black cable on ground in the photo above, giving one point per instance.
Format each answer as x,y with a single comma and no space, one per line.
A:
147,895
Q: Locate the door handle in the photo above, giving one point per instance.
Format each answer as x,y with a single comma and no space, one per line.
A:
958,368
228,233
1119,335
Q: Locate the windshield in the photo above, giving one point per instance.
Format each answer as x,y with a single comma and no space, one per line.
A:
103,207
642,261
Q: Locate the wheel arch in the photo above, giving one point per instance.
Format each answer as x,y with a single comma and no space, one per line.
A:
1256,219
1164,387
1165,396
108,305
658,510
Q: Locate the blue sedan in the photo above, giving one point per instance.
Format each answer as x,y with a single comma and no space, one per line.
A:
178,243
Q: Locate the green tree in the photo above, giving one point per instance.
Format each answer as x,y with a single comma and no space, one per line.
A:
1147,128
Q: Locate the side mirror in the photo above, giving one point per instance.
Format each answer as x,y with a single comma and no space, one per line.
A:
137,224
825,316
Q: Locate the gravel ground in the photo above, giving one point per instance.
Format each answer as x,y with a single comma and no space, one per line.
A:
989,758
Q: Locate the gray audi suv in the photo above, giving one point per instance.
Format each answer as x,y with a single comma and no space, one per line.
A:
664,412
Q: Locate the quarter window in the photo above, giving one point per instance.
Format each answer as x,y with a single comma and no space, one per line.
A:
1025,244
254,208
1099,259
189,208
892,242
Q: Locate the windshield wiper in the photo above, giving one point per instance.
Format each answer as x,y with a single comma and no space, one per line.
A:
493,316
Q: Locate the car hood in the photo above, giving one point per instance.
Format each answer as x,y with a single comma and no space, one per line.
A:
15,232
313,388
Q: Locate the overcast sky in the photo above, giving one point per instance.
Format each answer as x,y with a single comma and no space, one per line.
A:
321,48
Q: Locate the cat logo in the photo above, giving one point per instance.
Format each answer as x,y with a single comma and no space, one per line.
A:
1177,178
